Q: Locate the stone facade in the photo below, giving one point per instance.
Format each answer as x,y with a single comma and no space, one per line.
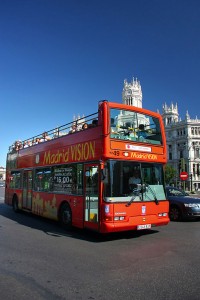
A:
183,142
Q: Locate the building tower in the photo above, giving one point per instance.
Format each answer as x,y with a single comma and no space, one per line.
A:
170,114
132,93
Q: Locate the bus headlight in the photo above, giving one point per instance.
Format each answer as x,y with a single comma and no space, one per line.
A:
121,218
162,214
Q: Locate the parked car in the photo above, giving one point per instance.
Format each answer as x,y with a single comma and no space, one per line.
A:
182,205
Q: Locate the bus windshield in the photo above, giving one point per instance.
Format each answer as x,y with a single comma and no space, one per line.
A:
124,181
134,126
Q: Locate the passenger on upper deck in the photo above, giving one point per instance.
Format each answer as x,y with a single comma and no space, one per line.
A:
73,128
85,126
18,145
45,137
142,132
37,141
94,122
25,144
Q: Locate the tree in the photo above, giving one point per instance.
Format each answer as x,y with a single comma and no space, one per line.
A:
170,174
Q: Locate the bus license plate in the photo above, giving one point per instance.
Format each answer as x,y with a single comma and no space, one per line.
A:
145,226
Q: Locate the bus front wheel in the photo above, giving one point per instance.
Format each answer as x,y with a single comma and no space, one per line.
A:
65,216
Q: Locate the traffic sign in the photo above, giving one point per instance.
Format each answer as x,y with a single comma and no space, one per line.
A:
183,175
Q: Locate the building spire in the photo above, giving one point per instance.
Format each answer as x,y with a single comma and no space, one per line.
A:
132,93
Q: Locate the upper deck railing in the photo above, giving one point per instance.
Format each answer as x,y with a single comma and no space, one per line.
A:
69,128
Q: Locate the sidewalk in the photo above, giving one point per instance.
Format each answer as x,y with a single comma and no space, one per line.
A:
194,194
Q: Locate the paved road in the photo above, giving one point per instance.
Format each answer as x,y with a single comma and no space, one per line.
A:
39,260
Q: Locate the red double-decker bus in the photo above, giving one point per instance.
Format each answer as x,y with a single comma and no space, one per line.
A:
106,176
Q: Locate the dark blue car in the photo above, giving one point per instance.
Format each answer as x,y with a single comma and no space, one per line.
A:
181,205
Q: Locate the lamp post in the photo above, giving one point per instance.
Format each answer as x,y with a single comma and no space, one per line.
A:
191,182
189,148
188,170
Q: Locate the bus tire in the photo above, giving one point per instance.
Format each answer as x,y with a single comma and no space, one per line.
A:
65,216
15,204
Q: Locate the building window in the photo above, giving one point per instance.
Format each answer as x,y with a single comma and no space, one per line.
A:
170,152
15,180
198,169
43,180
196,152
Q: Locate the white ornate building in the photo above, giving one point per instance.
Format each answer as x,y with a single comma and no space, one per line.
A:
183,142
132,93
183,136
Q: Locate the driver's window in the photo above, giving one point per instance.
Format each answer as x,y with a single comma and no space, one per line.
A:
135,178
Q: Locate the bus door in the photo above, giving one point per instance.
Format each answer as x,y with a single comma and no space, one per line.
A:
27,189
91,213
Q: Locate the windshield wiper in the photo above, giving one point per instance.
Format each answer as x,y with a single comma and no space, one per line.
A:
153,193
136,193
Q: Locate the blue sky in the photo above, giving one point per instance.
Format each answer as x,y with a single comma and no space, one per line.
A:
58,58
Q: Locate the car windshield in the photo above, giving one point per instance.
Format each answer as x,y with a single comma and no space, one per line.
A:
175,192
126,181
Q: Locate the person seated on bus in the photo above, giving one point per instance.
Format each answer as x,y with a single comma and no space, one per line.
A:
73,128
56,133
45,137
18,145
125,128
25,144
29,143
142,134
37,141
134,180
94,122
84,126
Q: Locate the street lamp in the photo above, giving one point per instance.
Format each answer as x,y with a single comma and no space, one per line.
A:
191,182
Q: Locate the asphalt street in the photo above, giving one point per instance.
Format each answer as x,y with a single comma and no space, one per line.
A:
39,260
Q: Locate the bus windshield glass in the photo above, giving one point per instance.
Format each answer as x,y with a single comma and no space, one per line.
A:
125,180
134,126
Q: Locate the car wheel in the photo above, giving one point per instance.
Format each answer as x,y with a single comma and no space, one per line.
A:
65,216
175,213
